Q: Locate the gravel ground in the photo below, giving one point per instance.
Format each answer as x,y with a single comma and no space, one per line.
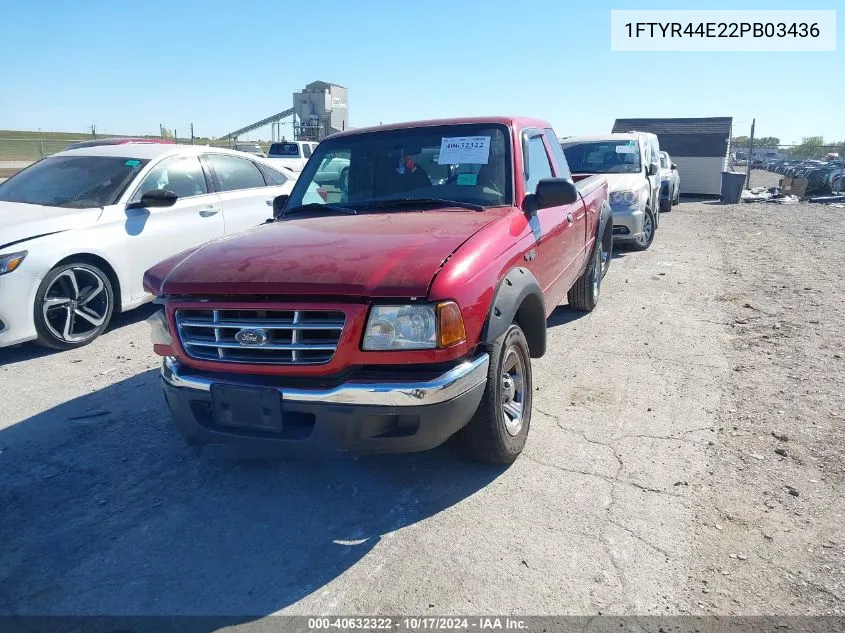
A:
685,456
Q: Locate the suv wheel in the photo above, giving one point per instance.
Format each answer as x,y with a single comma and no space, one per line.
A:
497,432
647,234
73,306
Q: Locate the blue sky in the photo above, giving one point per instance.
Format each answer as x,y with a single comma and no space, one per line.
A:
128,66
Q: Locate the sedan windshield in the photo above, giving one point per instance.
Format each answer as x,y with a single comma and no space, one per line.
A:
77,182
603,157
467,164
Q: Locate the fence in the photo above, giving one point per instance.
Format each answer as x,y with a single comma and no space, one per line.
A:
31,149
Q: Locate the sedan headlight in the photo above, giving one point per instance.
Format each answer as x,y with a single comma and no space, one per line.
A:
627,198
419,326
159,332
10,262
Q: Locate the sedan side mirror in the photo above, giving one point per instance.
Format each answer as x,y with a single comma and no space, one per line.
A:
653,169
555,192
674,167
279,204
155,198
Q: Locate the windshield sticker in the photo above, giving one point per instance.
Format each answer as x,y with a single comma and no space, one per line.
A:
132,163
626,149
457,150
467,179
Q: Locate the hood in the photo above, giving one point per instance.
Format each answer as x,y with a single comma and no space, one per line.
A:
625,182
20,222
367,255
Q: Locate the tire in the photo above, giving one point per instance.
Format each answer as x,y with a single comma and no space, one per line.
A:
496,434
642,243
73,306
666,205
676,199
584,295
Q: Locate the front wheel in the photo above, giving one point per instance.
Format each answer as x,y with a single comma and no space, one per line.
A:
73,306
497,432
647,234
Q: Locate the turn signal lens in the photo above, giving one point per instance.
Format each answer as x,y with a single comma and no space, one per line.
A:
451,330
159,332
10,262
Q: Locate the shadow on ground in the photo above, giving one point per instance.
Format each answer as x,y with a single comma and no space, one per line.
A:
30,350
106,511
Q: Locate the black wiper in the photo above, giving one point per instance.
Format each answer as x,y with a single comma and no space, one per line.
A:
316,206
413,202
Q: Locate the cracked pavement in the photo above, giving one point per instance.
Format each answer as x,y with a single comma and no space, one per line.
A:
640,490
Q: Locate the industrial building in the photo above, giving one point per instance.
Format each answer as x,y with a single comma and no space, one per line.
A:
698,146
318,110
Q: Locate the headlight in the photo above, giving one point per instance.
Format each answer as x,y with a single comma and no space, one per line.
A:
159,333
424,326
10,262
627,198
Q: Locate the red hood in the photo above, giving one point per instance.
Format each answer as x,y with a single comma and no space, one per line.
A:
371,255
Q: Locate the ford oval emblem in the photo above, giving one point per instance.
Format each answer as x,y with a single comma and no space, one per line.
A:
251,336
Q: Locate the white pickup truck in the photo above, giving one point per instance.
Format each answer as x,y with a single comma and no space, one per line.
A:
292,154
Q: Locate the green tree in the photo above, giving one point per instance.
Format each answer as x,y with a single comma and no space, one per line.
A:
767,141
739,141
810,147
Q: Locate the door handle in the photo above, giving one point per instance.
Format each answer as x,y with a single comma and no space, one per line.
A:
207,212
569,218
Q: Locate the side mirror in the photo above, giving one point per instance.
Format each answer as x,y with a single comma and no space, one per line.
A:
674,167
555,192
154,198
279,203
653,169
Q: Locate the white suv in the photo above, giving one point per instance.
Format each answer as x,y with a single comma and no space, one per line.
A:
631,164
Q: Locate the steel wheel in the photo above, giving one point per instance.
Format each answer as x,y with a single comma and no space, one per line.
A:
598,270
76,305
513,391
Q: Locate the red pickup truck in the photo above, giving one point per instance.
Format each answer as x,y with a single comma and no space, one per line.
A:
392,310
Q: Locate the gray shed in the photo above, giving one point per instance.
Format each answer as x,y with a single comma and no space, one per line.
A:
699,146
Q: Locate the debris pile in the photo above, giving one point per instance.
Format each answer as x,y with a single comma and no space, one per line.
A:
767,194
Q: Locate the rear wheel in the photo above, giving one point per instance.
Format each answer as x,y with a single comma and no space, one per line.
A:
677,197
584,295
647,234
497,432
73,305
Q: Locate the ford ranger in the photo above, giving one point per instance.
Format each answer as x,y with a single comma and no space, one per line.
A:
394,311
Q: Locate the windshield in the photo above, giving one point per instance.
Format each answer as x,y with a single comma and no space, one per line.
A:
463,163
603,157
78,182
284,149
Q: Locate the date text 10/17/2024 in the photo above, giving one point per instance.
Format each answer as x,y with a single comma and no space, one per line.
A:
418,623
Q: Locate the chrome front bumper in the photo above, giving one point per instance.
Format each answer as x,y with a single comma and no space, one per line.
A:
447,386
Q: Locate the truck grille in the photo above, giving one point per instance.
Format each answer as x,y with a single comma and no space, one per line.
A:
278,337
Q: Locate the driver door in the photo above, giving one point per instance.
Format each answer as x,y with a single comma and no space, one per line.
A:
153,234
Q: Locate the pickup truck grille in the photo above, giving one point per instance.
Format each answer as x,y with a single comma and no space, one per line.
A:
277,337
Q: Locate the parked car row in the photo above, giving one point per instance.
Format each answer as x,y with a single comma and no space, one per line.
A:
822,176
386,298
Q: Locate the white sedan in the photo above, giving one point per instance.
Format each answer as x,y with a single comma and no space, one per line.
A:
78,229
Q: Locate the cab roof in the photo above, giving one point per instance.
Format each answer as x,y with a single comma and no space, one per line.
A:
518,122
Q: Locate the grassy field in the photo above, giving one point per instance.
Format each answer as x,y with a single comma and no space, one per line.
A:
32,146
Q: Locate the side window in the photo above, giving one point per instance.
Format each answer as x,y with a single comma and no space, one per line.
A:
272,177
235,173
180,174
557,152
306,150
655,146
538,164
646,149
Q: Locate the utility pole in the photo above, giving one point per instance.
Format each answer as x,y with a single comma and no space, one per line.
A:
192,133
750,155
93,131
175,135
161,130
